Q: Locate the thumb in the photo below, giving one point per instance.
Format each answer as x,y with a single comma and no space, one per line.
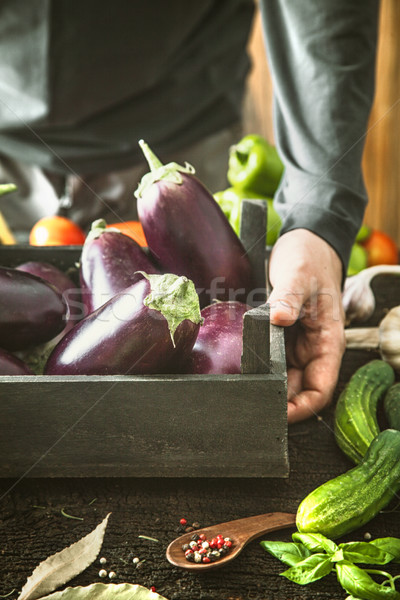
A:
285,306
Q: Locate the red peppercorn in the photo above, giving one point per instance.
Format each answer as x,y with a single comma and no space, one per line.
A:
183,521
153,588
202,536
228,543
205,559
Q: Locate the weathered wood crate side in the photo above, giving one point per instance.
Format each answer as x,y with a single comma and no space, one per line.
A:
181,426
145,426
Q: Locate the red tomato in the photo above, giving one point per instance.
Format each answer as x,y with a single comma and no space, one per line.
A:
381,249
56,231
132,229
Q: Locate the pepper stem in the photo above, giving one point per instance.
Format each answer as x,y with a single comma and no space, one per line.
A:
153,161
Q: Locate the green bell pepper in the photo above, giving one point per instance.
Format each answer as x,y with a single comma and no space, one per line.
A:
255,165
230,201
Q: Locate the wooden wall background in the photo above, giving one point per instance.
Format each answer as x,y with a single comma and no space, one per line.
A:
382,148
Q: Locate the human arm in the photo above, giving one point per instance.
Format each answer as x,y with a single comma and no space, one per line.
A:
322,59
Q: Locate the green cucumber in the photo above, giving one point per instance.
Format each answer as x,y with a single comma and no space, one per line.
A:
356,423
352,499
391,406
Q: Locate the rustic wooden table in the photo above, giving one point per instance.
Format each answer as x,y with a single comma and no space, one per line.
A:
33,524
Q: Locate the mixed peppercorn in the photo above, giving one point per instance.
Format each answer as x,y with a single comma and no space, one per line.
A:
202,550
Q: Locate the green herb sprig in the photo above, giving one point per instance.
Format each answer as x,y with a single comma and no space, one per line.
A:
311,556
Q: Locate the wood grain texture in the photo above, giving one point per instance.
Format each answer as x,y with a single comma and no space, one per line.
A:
382,149
253,228
32,526
60,426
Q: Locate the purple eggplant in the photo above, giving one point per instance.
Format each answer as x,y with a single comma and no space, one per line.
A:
11,365
32,310
63,283
189,234
109,263
147,328
219,345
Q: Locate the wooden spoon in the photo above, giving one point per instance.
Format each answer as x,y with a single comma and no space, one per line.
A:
240,531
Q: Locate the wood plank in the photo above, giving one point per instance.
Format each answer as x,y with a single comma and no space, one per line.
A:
181,426
253,232
382,149
256,341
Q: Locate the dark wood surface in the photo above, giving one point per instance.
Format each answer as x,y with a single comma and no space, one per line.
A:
33,526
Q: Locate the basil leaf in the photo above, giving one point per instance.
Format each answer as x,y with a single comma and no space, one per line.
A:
310,569
364,552
358,583
288,552
316,542
390,545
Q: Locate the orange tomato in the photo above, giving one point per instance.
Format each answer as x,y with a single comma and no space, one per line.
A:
132,229
381,249
56,231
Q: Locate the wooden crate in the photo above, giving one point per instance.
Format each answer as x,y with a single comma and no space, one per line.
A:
152,426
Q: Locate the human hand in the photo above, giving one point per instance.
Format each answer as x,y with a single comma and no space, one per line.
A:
306,273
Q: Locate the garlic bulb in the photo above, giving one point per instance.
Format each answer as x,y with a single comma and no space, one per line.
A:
389,335
358,298
385,338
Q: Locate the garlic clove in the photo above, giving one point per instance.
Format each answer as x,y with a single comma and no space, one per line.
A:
389,337
358,298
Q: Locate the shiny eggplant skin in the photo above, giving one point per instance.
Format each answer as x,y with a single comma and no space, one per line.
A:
219,345
32,311
62,282
122,337
108,266
189,234
11,365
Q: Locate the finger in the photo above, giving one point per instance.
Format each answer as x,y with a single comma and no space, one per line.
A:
306,404
285,306
312,390
294,383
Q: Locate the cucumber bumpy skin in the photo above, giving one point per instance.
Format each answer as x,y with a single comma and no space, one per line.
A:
356,423
391,406
352,499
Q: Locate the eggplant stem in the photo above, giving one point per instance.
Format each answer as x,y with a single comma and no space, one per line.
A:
153,161
363,338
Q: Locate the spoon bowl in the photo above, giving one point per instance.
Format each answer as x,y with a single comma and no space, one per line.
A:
240,531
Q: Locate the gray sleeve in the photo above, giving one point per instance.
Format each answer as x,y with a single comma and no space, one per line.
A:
322,60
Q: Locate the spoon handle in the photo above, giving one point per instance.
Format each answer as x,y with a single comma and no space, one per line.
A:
251,527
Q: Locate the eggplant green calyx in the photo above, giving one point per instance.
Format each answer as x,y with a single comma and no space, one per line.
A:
170,172
96,229
175,297
5,188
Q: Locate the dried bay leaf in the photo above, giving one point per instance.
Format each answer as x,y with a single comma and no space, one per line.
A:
106,591
59,568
